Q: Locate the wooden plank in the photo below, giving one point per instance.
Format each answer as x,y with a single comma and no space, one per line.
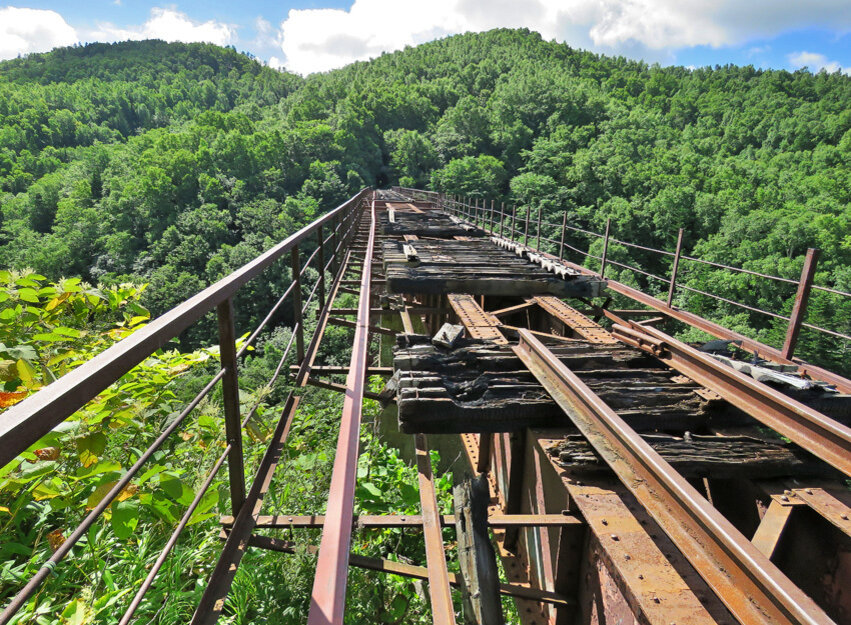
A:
480,589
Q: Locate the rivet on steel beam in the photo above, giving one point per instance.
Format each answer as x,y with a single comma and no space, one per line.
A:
657,600
605,522
615,537
784,498
808,491
844,517
640,576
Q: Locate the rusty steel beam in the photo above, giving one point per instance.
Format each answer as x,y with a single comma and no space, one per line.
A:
771,527
213,600
825,437
443,612
410,520
753,589
415,572
328,598
575,320
833,505
655,590
802,298
478,323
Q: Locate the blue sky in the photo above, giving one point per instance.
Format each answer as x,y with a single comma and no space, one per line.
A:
316,35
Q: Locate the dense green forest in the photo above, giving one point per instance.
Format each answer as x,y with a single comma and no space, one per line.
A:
134,174
172,164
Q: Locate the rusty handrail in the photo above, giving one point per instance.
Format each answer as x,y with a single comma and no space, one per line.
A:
328,598
795,322
26,422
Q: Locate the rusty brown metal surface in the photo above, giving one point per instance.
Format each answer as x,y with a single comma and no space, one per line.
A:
833,505
478,323
751,587
771,526
654,590
230,399
802,298
410,520
826,438
443,612
575,320
328,598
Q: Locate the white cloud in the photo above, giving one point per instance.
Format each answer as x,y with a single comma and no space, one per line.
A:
816,62
32,30
321,39
169,25
275,63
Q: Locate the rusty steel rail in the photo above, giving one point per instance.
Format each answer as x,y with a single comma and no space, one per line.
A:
819,434
328,598
753,589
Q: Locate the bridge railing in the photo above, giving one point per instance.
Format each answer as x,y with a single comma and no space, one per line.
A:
26,422
531,231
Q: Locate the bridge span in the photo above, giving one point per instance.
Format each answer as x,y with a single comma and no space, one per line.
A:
609,472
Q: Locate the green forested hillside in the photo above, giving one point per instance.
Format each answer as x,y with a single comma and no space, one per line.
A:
172,164
169,165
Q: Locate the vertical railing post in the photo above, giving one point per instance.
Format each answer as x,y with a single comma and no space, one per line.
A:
563,230
334,262
605,248
513,221
802,298
298,322
538,242
675,267
320,255
492,216
501,216
526,230
230,397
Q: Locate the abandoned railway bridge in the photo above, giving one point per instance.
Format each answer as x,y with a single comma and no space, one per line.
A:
616,474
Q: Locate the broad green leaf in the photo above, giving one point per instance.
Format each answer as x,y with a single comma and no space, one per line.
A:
27,352
75,334
27,373
28,295
104,466
7,315
47,490
76,613
176,489
90,447
125,517
99,493
49,336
